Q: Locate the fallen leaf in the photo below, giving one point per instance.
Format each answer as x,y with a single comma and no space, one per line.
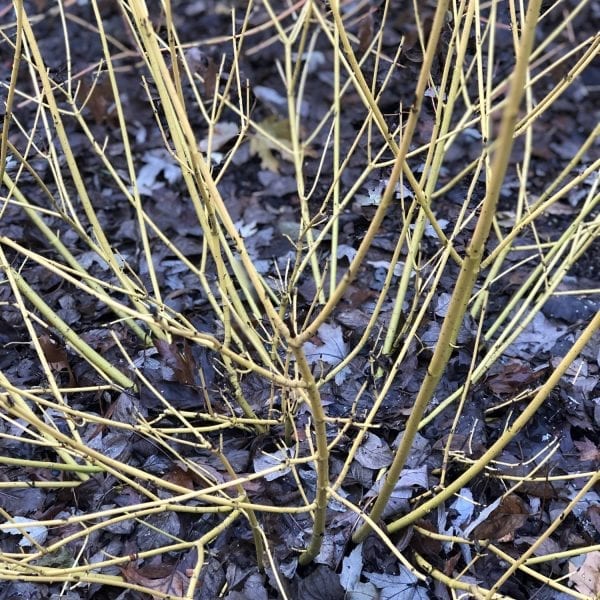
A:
181,361
513,376
404,486
404,585
351,569
222,133
365,32
98,98
502,521
463,506
374,453
273,459
55,354
586,578
424,544
587,450
160,578
203,65
321,584
274,134
157,162
332,349
32,531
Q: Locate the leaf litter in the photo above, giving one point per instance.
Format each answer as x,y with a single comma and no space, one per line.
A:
572,417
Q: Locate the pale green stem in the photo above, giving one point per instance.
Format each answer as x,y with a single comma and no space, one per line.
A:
468,273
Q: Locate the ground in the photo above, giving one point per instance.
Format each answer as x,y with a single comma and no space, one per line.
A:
261,194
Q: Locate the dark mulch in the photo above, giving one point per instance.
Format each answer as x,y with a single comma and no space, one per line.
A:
260,192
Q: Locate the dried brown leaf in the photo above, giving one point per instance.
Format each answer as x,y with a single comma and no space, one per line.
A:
99,99
587,450
365,32
55,354
160,578
513,376
181,361
504,520
586,578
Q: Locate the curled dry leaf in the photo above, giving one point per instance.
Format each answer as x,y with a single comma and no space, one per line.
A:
55,354
161,578
503,521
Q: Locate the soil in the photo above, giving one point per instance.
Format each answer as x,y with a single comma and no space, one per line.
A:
261,194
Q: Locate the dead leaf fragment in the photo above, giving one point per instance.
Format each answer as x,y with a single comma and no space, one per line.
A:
365,32
98,98
55,354
274,135
180,360
331,350
587,450
322,584
160,578
503,521
374,453
512,377
586,578
203,65
223,133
